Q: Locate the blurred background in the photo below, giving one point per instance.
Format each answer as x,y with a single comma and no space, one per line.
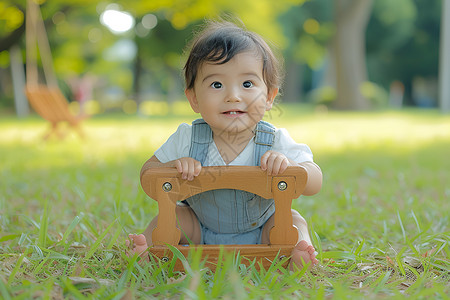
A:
126,56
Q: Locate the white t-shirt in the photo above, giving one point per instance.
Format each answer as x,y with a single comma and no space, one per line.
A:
179,143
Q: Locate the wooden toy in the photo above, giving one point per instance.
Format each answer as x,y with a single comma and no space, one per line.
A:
166,186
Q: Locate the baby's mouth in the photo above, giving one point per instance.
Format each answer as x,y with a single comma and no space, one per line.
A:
233,112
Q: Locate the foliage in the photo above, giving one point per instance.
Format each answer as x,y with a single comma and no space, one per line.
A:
11,17
181,13
398,33
309,28
380,223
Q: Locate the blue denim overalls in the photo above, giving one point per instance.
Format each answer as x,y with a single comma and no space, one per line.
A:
230,216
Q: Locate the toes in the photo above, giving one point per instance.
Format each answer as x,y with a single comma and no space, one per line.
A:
140,240
311,250
302,245
303,255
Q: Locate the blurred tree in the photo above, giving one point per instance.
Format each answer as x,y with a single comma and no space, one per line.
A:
403,42
158,55
330,40
79,43
176,21
309,28
260,16
12,21
444,61
396,36
348,52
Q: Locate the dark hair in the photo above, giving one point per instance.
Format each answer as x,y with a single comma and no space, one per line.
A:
221,41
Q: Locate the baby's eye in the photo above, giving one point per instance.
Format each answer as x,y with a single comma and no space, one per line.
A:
247,84
216,85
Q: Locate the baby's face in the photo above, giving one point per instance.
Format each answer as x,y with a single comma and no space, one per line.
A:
231,97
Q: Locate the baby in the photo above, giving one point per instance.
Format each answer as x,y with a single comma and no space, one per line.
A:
232,78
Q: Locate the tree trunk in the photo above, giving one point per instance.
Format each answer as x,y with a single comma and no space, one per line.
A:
18,80
292,91
352,17
137,93
444,61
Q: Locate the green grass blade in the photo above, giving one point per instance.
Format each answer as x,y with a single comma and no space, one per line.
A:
71,289
22,238
361,244
338,255
398,259
95,246
43,228
381,281
17,266
71,227
41,264
413,249
415,220
317,244
401,226
4,290
9,237
177,254
38,251
114,239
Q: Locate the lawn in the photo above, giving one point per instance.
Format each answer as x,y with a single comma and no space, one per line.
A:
380,223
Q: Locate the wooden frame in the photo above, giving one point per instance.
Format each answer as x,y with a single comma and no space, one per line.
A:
166,186
51,105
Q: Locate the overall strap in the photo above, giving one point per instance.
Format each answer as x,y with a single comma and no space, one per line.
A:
264,139
200,140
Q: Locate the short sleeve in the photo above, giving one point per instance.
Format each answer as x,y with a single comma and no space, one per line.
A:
177,145
285,144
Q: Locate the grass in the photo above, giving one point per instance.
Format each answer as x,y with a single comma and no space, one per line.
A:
380,223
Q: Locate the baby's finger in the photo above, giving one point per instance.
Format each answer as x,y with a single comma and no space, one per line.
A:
184,168
284,165
276,165
197,167
264,159
179,166
270,164
190,170
194,169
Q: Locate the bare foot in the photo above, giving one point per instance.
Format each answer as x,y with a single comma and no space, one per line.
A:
137,244
303,255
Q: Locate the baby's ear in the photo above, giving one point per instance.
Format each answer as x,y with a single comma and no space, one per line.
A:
271,94
192,98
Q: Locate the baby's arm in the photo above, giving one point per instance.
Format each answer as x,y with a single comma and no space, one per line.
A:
187,166
276,163
314,183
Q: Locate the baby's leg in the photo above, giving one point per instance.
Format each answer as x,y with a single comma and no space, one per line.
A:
303,253
187,222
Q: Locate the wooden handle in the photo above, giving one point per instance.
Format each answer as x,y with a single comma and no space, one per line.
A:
248,178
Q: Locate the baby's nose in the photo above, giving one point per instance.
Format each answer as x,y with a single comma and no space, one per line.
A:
234,95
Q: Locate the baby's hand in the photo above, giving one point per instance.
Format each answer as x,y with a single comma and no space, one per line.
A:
188,167
274,162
